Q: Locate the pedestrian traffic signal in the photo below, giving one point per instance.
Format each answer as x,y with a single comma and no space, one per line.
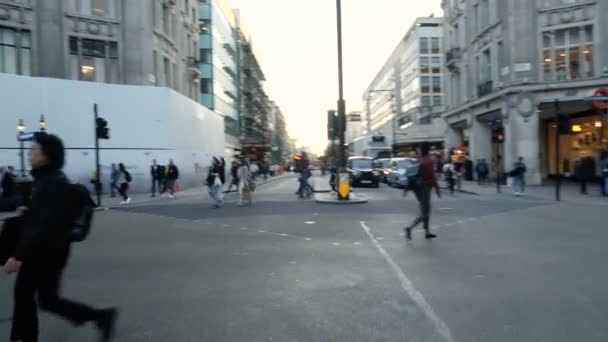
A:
102,130
498,134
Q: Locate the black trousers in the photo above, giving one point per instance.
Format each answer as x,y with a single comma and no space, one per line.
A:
43,278
423,195
583,186
124,187
155,183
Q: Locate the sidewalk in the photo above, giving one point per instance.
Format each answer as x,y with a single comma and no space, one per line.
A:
570,191
108,202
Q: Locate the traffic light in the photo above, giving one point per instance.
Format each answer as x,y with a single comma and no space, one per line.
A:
332,118
101,129
498,134
563,124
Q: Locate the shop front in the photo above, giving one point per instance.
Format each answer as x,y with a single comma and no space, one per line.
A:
587,140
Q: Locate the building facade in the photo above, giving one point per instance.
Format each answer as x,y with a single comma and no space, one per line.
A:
219,66
92,40
405,100
509,61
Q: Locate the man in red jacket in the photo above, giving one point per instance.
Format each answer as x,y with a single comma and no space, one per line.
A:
423,193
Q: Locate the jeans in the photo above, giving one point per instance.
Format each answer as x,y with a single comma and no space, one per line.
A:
519,185
303,185
423,195
42,279
171,186
156,183
215,191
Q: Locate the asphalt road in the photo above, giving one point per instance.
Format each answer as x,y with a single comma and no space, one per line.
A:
502,269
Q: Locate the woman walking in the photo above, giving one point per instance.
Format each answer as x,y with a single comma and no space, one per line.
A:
124,178
215,183
245,184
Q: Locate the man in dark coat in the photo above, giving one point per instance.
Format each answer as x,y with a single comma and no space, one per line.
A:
44,248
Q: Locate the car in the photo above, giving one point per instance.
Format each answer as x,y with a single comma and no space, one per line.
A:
396,176
383,167
363,171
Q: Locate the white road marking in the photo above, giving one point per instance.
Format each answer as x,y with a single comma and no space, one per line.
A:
310,222
356,243
261,231
336,244
283,234
379,238
316,214
244,228
442,329
308,239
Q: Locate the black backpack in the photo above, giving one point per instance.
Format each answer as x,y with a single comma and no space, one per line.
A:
413,175
128,177
82,210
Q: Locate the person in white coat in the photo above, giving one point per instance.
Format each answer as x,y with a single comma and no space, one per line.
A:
244,187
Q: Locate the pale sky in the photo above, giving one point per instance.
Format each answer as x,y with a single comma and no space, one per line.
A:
296,44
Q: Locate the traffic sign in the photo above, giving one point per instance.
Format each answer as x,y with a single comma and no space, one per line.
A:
25,136
600,98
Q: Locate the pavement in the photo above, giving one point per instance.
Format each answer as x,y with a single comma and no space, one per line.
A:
503,269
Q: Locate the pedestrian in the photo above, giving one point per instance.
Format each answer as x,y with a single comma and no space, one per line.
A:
124,178
214,182
428,182
234,175
303,168
8,184
485,171
604,167
172,177
449,176
519,177
458,174
44,248
255,169
223,171
245,184
114,174
155,174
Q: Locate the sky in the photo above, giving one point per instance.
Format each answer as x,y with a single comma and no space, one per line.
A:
296,44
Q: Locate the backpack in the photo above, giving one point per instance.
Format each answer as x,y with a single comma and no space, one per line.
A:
413,175
449,174
82,209
128,177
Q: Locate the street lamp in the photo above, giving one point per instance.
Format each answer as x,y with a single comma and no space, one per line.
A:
20,131
42,123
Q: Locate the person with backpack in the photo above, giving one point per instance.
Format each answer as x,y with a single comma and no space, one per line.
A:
422,180
43,249
449,175
124,178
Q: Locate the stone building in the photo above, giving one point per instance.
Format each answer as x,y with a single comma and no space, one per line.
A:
508,61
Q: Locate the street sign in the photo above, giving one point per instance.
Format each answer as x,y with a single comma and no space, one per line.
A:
25,136
600,98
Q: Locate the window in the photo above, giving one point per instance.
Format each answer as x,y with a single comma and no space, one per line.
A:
205,56
436,84
484,15
424,65
437,100
205,86
425,84
435,42
94,60
203,26
475,23
15,51
99,7
436,65
166,72
166,18
424,45
425,101
547,65
568,54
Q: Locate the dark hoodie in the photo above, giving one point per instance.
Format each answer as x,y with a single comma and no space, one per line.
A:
47,227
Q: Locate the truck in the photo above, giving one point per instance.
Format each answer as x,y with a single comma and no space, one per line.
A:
374,147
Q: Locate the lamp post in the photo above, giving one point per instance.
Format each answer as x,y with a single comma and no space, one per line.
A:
341,103
20,131
42,123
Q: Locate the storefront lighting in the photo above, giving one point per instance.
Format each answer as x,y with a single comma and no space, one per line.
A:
598,124
577,128
586,52
562,55
547,60
87,69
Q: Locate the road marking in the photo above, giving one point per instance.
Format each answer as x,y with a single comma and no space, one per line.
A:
406,284
261,231
336,244
316,214
356,243
446,208
283,234
244,228
379,238
310,222
308,239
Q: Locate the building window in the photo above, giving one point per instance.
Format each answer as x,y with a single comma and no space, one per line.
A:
425,84
485,66
424,45
568,54
437,100
94,60
435,45
99,7
425,101
166,19
205,86
204,26
15,51
436,84
205,56
424,65
166,72
436,65
475,23
484,15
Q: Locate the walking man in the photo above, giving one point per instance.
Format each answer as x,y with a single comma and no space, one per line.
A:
114,174
172,177
124,178
449,176
156,176
426,172
519,177
44,248
234,174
